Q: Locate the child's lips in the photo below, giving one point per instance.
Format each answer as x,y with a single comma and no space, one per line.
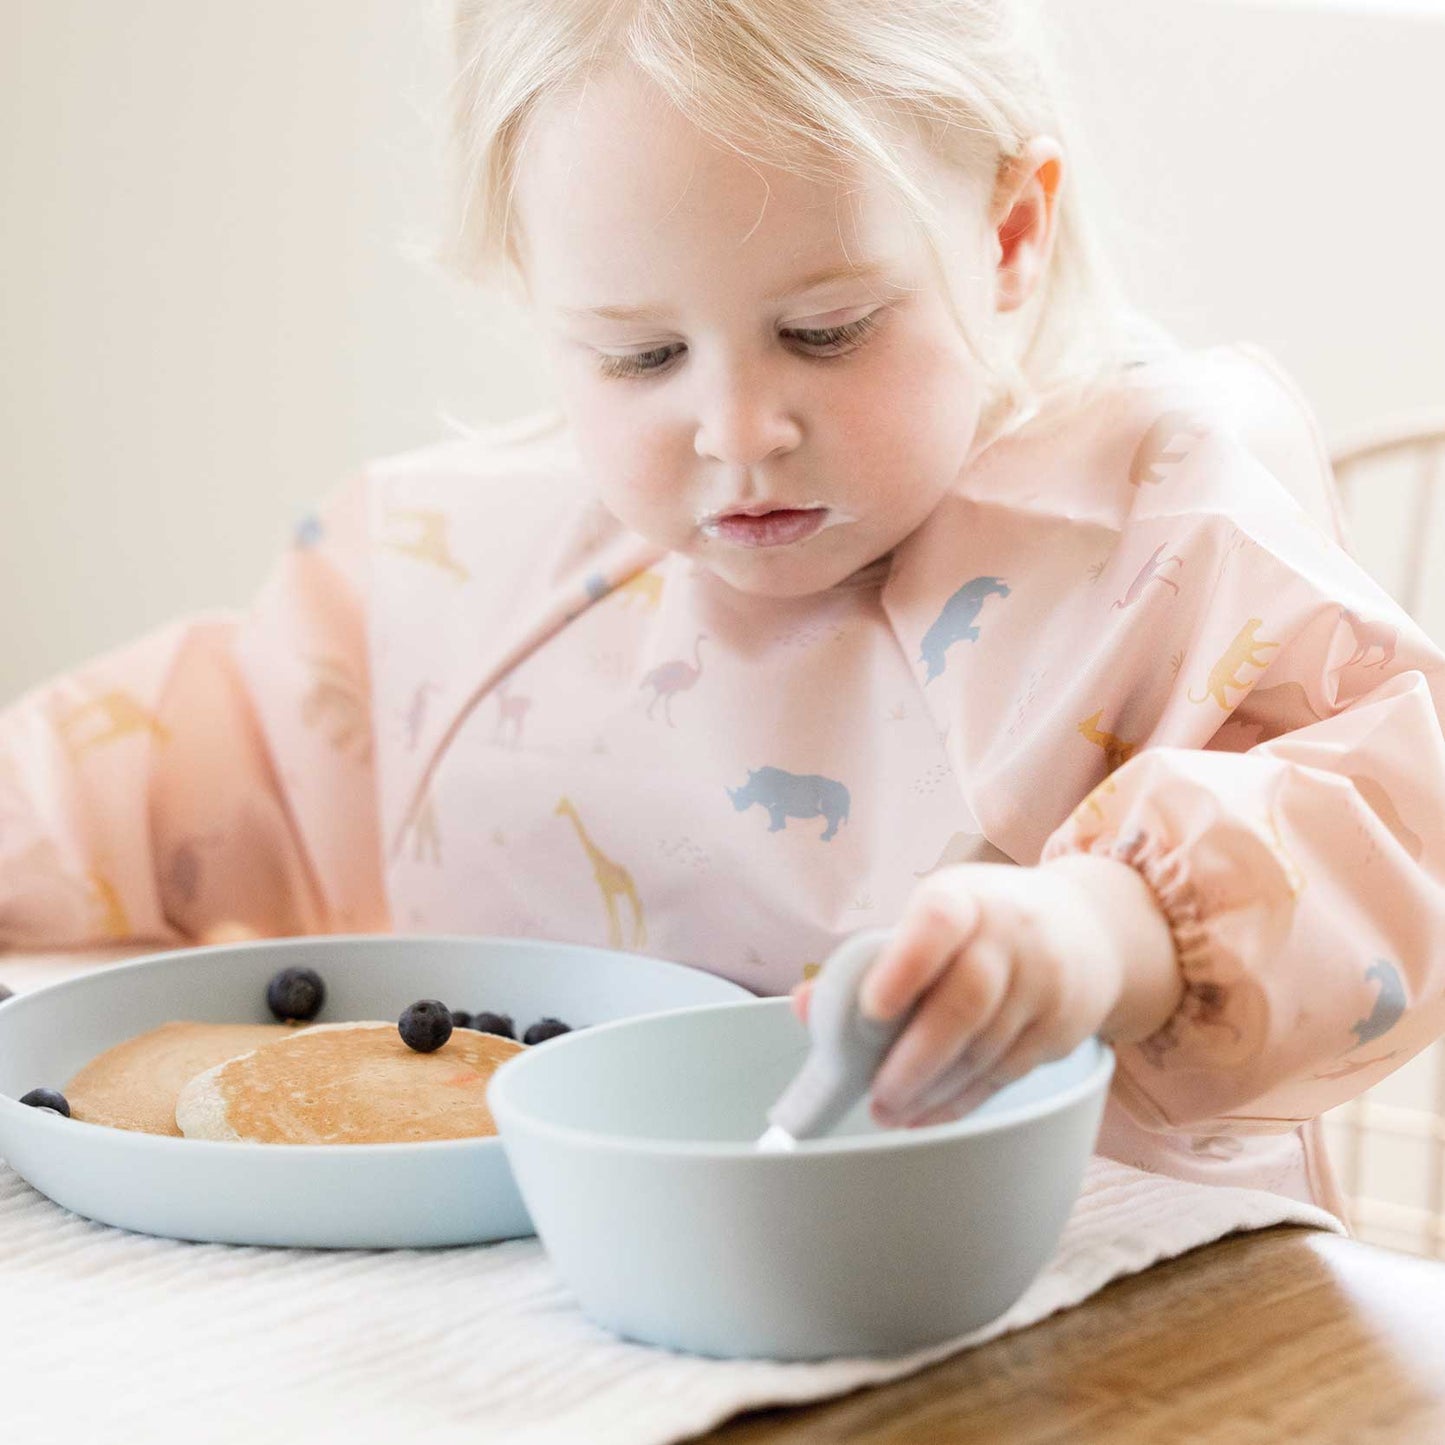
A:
781,527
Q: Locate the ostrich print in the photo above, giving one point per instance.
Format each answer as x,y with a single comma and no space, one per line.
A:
1151,571
416,713
674,676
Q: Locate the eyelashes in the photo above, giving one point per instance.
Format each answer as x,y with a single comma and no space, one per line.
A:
821,342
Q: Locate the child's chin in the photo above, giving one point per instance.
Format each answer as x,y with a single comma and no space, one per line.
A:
780,574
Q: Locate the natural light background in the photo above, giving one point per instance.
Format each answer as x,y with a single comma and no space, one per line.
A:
213,308
211,311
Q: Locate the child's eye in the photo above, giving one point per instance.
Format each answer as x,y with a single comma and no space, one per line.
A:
827,341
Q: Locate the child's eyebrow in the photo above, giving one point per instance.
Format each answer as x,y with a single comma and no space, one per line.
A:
848,271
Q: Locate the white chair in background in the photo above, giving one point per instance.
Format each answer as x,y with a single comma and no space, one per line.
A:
1406,1141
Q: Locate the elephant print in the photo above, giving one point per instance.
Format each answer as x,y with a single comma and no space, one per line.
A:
956,622
793,795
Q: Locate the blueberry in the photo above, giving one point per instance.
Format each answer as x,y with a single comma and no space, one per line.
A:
6,993
425,1025
544,1029
296,993
47,1099
489,1023
461,1019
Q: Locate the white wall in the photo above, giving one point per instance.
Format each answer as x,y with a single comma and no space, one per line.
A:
211,312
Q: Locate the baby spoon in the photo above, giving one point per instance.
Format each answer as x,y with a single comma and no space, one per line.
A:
845,1050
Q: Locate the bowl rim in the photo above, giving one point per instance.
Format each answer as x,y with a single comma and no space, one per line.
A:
501,1103
27,1116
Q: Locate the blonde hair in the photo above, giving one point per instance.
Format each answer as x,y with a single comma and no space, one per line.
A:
819,83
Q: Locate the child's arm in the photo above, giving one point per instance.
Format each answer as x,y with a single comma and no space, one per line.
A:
1308,914
215,773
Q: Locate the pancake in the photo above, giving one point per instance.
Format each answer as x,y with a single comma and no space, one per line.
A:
134,1085
347,1083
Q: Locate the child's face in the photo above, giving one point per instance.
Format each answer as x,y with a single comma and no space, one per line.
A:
715,402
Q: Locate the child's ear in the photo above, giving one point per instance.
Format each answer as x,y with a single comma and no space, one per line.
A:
1022,219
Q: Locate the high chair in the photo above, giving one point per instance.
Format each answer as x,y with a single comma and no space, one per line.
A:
1389,1144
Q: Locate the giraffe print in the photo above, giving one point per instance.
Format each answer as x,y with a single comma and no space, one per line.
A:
108,905
645,588
427,542
117,713
613,879
336,702
1294,875
1116,751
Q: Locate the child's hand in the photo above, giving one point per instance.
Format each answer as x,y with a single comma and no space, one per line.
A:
1012,967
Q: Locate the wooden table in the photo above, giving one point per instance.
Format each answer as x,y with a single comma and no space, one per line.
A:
1282,1335
1277,1336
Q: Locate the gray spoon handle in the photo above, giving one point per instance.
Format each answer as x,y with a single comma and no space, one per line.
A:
846,1047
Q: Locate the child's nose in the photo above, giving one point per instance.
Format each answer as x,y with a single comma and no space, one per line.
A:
743,422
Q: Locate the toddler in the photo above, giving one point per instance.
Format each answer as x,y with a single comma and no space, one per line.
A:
877,567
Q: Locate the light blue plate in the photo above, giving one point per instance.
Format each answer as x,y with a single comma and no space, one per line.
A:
336,1195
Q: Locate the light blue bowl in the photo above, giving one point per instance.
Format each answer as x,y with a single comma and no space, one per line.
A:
633,1147
358,1196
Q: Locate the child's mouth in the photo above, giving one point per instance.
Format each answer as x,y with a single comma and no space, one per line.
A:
779,528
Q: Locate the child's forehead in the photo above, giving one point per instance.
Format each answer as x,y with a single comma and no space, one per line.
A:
619,195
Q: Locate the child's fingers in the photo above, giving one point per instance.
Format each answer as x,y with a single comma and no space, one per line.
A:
988,1051
943,1026
935,927
801,997
1027,1052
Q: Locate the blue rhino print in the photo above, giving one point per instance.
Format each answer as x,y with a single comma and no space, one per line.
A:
596,587
1390,1003
793,795
955,622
